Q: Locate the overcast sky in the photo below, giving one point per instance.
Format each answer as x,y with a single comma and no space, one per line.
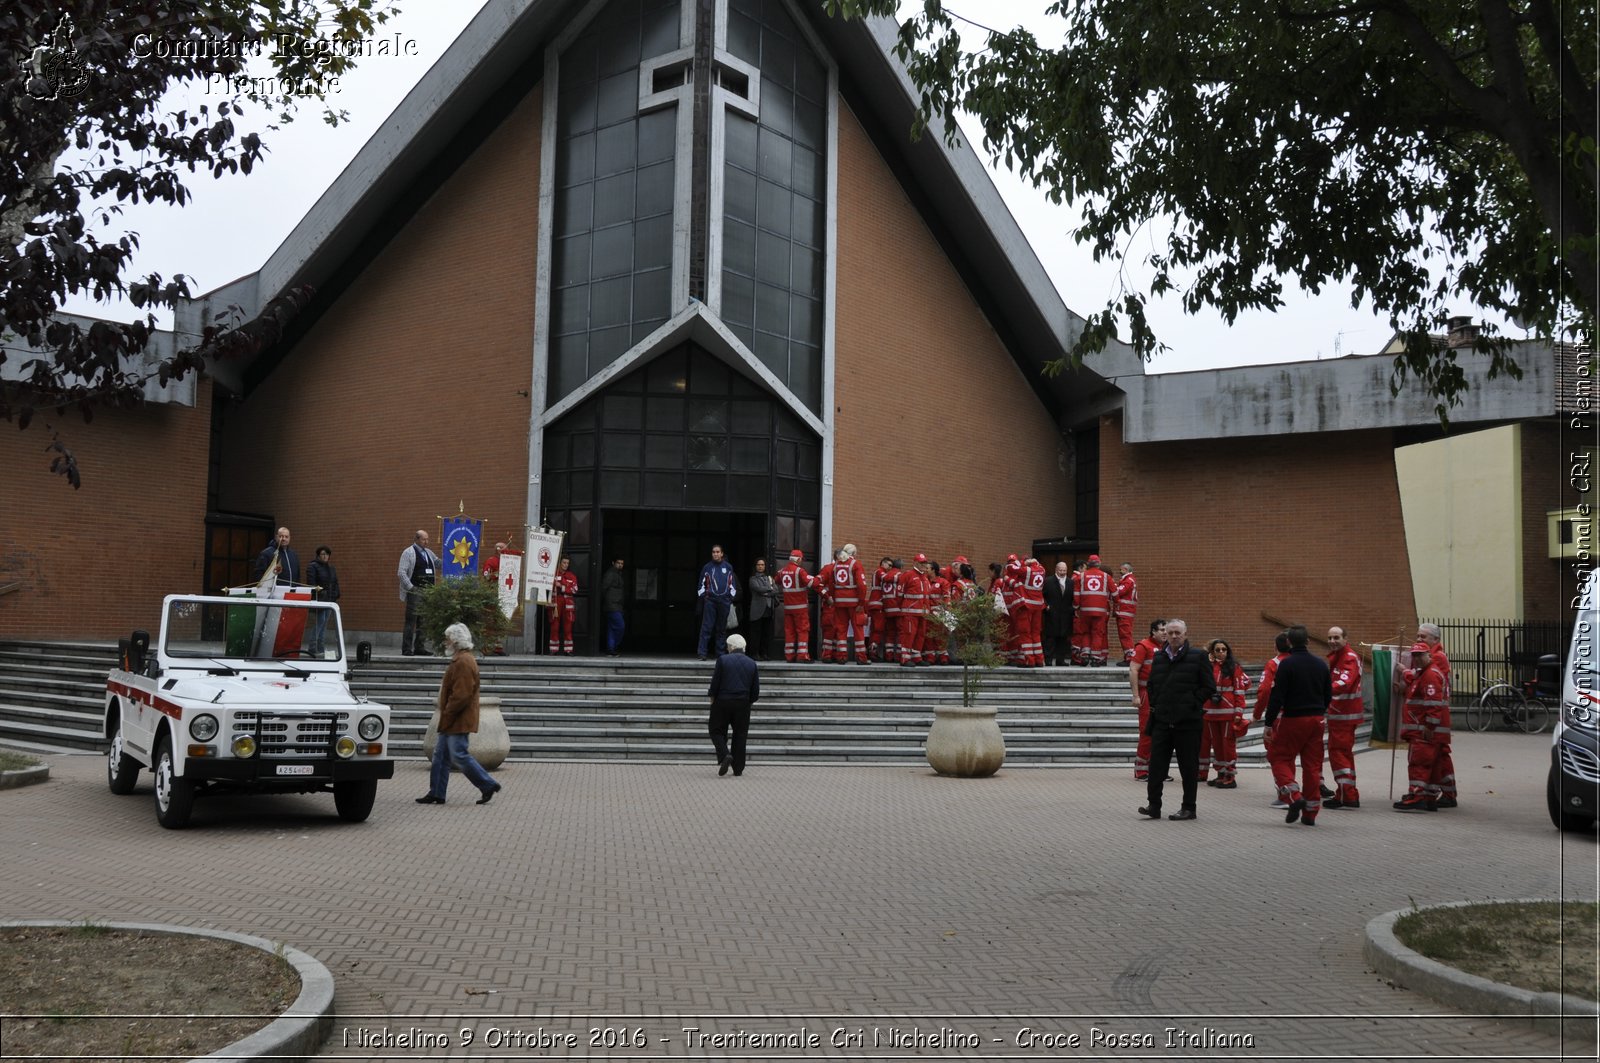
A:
234,224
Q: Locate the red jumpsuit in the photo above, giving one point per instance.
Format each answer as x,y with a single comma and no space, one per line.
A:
824,580
1425,726
1009,587
893,588
563,611
1143,653
1264,691
1126,594
1219,744
1092,601
935,636
1344,716
1030,589
913,586
1446,766
875,619
796,584
847,595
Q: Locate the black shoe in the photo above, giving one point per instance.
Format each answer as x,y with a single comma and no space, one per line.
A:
1231,784
488,794
701,657
738,773
1445,802
1183,814
723,764
1213,782
1333,802
1297,806
1350,804
408,653
1327,793
429,799
1152,811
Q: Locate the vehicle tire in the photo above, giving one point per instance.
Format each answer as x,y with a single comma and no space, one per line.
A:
122,771
1499,702
1565,820
1534,717
354,799
174,793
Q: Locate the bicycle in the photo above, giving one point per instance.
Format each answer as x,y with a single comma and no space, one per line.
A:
1524,709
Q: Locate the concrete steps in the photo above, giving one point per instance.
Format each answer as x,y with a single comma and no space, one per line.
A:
651,709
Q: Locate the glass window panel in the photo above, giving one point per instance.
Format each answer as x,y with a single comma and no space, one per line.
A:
773,352
805,535
783,496
623,412
619,49
611,303
652,295
582,417
582,450
740,141
777,105
710,377
571,362
708,416
745,333
621,450
783,534
807,496
772,259
578,535
577,160
784,456
618,97
705,490
613,200
662,489
805,320
557,489
739,247
571,260
660,31
744,37
738,299
810,76
578,63
616,149
805,374
663,451
619,488
739,193
810,458
654,190
811,123
574,210
582,492
750,417
744,387
653,243
569,310
772,207
577,105
708,453
666,374
804,226
557,450
663,413
806,271
772,309
750,454
613,251
748,492
658,135
808,173
777,157
606,344
790,427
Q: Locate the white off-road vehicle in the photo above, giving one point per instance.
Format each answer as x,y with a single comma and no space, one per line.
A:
229,701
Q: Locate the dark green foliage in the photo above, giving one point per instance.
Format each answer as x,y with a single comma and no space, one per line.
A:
974,641
468,600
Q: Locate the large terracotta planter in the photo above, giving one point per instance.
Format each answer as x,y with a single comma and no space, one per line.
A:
490,746
966,742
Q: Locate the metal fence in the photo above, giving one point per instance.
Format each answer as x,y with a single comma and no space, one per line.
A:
1484,652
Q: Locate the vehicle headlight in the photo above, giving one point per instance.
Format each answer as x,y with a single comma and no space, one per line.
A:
370,727
345,747
204,727
244,747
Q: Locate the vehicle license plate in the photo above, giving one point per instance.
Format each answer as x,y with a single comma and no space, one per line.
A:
297,769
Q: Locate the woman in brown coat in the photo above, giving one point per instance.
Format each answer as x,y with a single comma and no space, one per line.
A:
458,718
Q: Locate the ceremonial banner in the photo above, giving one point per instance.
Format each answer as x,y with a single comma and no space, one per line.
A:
510,580
460,546
544,552
1384,680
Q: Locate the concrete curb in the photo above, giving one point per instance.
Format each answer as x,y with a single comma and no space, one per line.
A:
24,776
1553,1013
295,1035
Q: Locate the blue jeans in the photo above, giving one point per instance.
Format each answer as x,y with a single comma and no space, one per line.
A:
714,621
614,630
452,748
319,625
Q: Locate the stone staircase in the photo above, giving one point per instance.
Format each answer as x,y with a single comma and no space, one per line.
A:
651,709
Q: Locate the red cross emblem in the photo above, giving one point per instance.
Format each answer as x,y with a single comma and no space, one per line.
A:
544,555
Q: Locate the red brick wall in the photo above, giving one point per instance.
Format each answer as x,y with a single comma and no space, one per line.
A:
940,444
96,562
1544,487
408,396
1306,528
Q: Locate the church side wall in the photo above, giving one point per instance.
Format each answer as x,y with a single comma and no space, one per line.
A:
409,396
96,562
940,443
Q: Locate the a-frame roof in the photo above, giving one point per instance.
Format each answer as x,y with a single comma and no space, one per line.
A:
499,57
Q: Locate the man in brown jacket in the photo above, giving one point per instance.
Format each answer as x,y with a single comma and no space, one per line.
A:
458,718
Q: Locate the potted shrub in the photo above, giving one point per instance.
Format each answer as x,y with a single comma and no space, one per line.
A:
966,741
474,602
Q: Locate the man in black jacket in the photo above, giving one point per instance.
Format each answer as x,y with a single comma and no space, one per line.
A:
1300,695
1180,685
1058,616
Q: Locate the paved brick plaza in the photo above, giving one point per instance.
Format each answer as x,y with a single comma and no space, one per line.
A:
604,891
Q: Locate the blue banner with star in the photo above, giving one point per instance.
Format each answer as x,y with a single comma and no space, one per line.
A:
462,542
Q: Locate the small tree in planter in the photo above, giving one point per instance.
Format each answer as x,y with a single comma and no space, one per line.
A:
967,741
976,631
467,600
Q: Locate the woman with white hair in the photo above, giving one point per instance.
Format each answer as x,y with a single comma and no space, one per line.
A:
458,718
735,686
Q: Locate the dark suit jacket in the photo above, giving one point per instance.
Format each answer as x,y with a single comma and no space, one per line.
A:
290,572
1057,607
735,678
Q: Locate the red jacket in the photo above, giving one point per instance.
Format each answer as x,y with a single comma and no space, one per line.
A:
893,589
564,590
880,577
913,593
1347,702
796,584
847,583
1144,651
1031,585
1233,690
1264,691
1127,596
1093,595
1425,716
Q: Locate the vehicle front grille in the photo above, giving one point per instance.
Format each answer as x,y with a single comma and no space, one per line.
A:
279,734
1579,762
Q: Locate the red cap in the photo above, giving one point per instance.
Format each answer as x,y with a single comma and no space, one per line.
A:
1012,557
1421,647
1094,559
796,555
920,558
961,559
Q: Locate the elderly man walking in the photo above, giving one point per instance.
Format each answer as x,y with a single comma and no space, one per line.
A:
735,686
458,719
1180,684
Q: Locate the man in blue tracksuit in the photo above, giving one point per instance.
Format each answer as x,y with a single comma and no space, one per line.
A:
718,586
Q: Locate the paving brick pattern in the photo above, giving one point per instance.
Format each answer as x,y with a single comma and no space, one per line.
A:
824,898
